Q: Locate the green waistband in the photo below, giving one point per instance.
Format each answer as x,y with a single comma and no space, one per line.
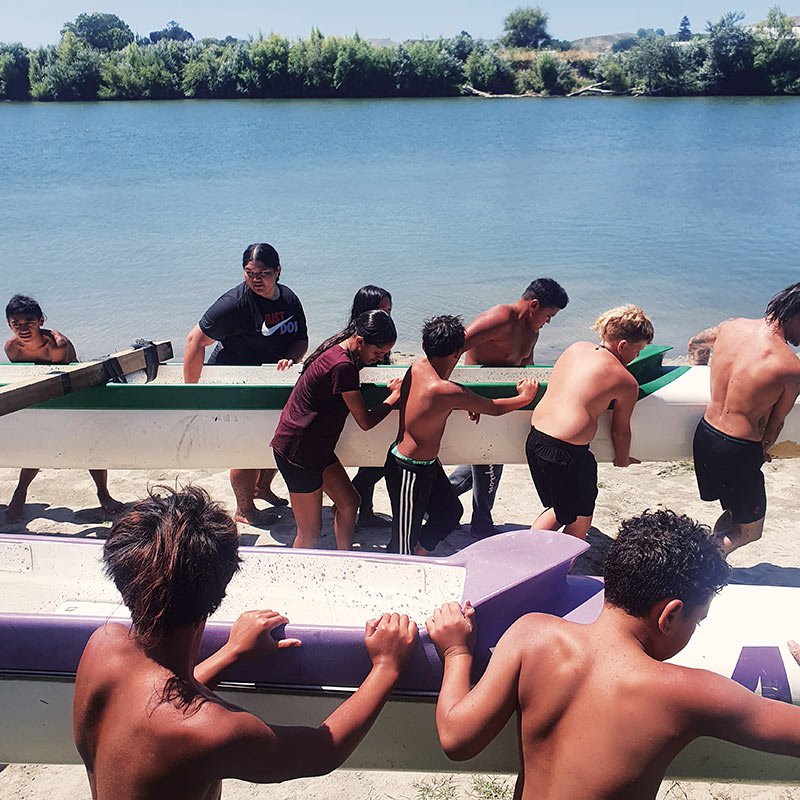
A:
397,454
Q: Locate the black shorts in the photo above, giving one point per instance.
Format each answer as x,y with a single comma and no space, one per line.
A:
299,480
565,475
729,470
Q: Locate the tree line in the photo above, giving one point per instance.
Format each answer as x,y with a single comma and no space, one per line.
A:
99,57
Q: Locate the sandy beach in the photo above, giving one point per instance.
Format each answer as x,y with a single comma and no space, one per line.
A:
63,503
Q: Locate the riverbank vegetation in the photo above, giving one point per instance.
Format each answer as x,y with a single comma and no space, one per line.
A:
100,58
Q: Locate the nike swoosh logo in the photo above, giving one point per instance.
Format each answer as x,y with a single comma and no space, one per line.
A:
265,331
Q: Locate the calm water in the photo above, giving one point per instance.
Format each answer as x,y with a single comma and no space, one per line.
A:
129,219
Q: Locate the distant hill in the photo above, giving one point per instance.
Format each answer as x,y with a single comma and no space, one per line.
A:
600,44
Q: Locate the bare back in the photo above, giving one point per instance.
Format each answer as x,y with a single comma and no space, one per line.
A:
134,744
426,401
584,382
753,370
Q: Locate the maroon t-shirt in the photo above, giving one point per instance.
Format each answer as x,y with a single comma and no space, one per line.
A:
314,415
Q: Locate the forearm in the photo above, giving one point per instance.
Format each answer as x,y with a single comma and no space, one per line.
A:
700,345
208,672
455,688
297,350
193,362
502,405
349,723
376,415
771,433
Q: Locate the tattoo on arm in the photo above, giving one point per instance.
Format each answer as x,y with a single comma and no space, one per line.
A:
762,425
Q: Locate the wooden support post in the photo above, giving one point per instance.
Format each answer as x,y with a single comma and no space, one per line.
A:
72,378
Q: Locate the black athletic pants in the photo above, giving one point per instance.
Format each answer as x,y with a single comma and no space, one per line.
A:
416,490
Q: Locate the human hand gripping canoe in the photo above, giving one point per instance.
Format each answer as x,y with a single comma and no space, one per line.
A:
390,641
452,629
251,634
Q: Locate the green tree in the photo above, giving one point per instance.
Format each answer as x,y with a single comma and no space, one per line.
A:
70,71
427,69
172,32
684,30
657,67
526,27
777,53
610,70
270,60
312,63
143,73
730,62
548,74
101,31
362,70
14,67
488,72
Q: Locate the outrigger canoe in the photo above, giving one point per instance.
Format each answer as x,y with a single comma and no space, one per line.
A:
53,595
229,418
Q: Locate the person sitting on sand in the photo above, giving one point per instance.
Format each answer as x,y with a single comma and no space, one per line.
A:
31,343
368,298
314,416
503,336
755,380
146,721
586,380
260,321
415,478
600,716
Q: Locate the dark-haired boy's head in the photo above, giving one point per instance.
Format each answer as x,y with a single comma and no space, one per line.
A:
784,310
22,305
549,293
661,555
171,557
443,336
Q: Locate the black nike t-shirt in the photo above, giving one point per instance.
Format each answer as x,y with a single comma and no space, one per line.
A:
252,330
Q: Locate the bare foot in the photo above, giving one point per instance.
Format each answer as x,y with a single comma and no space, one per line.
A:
267,494
419,550
110,505
371,520
254,517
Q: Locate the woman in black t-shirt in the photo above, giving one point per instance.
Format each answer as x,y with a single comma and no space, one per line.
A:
314,416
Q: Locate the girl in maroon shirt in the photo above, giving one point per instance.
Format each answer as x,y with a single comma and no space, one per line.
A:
312,421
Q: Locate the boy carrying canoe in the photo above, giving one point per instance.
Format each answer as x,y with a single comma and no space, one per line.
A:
755,380
415,478
586,380
600,716
32,343
146,721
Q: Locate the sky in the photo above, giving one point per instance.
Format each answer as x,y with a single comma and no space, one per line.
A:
37,22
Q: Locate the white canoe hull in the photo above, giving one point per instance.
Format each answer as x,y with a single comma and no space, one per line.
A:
187,437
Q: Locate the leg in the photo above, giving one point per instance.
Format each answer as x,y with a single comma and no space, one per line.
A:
444,509
263,490
307,510
107,502
15,506
409,491
461,479
364,483
243,483
338,487
733,535
485,480
579,528
546,521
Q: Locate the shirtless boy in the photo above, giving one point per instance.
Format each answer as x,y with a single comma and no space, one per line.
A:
503,336
146,721
600,716
755,380
585,380
415,478
34,344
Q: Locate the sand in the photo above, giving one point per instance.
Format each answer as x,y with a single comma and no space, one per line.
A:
62,502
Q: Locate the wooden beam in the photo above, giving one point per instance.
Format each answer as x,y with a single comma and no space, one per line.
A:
73,378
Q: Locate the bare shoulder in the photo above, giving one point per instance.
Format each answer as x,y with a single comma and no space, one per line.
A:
535,633
11,349
108,642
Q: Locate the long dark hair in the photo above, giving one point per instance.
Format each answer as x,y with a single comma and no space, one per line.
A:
785,305
375,327
368,298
